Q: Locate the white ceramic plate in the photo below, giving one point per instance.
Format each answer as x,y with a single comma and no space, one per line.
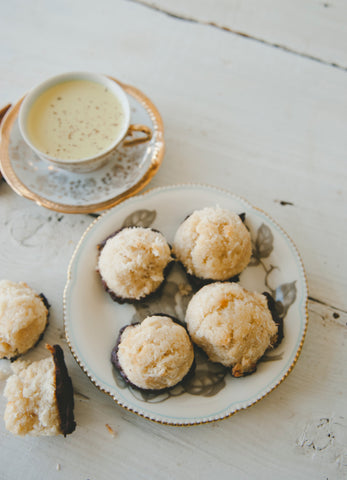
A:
93,320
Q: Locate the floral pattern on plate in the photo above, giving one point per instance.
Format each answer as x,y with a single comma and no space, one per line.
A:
208,378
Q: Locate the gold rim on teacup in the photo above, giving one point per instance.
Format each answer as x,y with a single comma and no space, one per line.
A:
93,162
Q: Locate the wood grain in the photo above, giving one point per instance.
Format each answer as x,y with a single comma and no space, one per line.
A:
264,123
314,29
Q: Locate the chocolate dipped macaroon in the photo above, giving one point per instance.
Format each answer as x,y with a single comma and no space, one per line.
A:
23,318
132,263
153,355
40,397
213,244
232,325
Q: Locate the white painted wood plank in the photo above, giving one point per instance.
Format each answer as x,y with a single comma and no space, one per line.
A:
313,28
263,123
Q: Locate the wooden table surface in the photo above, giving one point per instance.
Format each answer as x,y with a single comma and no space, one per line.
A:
253,95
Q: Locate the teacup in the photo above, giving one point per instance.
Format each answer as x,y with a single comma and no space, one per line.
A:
75,120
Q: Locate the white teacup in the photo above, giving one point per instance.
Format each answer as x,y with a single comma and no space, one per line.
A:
75,120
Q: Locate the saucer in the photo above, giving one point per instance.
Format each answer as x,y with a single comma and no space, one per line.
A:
3,112
128,170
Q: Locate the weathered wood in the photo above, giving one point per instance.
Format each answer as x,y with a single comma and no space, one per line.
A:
261,122
316,30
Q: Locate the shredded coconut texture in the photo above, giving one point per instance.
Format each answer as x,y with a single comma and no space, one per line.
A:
132,263
23,318
32,407
155,354
213,243
232,325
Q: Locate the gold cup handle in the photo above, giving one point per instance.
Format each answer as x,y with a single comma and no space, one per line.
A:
136,141
3,111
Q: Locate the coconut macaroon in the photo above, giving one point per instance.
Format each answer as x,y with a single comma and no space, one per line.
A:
155,354
132,263
213,244
40,397
23,318
232,325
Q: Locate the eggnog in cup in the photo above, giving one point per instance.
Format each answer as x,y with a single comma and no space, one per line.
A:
74,120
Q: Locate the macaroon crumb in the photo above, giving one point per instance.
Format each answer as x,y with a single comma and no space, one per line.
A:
110,430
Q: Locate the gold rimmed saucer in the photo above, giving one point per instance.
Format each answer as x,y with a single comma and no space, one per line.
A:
127,172
3,112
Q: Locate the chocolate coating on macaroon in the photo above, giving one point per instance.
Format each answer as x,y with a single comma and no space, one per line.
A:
63,391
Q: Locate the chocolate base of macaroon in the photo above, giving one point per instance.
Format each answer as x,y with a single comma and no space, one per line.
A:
135,301
241,215
115,362
122,300
235,370
63,391
198,282
276,318
48,306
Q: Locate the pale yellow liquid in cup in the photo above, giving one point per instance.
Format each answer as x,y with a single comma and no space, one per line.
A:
75,119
